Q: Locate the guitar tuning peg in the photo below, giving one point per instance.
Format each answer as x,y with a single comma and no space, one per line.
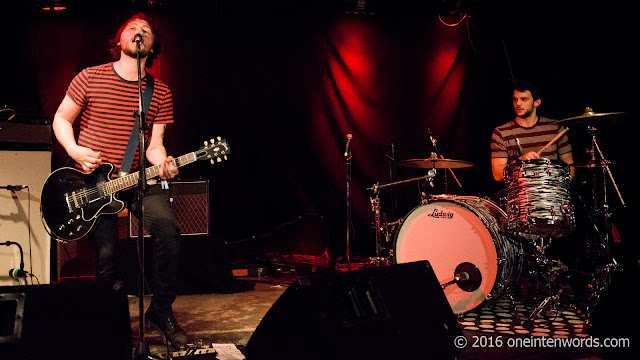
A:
212,141
219,160
225,157
212,162
219,138
206,143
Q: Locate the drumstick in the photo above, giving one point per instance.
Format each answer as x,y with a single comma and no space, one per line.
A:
553,140
452,173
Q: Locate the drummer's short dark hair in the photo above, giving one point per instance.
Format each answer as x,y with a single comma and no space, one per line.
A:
528,85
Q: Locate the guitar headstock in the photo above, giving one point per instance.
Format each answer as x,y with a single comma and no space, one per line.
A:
214,150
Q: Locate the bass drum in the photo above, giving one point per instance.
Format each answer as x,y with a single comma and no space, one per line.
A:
461,235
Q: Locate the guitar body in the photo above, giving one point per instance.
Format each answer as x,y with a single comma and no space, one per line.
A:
72,202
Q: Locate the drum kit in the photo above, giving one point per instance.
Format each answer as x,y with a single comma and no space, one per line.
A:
481,250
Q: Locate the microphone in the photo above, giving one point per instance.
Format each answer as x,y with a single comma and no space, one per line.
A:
137,38
464,276
18,273
347,150
14,187
433,141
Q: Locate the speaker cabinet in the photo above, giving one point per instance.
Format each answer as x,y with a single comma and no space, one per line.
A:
20,219
64,322
392,312
190,203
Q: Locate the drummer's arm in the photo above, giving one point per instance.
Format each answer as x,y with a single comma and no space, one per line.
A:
497,168
567,158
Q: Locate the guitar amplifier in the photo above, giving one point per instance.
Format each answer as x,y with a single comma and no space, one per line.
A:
19,136
190,203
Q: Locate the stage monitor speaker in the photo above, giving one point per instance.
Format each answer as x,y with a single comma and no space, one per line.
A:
64,322
389,312
190,203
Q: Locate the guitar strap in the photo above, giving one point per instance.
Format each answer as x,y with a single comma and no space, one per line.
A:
134,139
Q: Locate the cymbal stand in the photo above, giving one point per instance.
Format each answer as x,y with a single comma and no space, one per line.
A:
603,276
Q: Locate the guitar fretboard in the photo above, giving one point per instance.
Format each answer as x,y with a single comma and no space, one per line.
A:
130,180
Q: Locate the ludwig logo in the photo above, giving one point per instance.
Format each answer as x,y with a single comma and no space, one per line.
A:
441,214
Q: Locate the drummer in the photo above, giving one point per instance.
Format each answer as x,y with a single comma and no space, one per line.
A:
523,137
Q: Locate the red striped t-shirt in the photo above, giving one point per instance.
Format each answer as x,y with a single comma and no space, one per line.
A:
108,102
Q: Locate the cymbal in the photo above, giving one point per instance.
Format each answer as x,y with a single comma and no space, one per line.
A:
435,163
590,116
589,165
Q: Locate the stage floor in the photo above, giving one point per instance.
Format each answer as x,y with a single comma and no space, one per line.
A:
490,331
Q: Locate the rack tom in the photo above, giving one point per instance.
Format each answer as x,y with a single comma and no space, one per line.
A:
538,198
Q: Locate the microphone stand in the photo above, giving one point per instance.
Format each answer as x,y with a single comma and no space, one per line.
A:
142,350
347,160
435,148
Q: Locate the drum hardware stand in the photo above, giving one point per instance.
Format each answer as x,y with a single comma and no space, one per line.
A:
554,299
551,273
393,196
438,154
602,278
514,308
376,208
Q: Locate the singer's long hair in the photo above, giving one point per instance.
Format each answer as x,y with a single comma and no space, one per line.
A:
115,48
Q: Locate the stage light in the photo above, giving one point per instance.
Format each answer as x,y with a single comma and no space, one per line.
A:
359,7
453,12
54,5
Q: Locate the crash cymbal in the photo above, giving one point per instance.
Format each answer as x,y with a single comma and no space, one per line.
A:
435,163
590,116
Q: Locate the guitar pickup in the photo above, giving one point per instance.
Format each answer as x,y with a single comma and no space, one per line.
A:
68,202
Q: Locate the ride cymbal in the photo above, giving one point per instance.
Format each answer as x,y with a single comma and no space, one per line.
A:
589,116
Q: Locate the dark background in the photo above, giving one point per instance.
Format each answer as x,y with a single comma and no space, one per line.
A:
285,81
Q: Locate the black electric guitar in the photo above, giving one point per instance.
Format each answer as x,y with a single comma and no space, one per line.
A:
72,201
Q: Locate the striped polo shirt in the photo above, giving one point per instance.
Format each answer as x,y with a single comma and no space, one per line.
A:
504,144
108,102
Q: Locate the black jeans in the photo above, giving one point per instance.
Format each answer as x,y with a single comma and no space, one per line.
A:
160,220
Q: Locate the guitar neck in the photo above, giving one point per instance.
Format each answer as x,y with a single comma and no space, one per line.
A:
130,180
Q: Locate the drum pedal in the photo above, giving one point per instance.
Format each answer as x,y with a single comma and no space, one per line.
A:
528,324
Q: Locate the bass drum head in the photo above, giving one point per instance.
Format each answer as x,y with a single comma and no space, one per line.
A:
448,234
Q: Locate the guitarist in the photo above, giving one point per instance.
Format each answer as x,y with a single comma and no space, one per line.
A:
105,97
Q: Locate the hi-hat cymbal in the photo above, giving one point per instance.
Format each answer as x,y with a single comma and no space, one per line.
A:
435,163
589,165
590,116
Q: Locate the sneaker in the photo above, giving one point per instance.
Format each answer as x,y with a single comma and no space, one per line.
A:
173,335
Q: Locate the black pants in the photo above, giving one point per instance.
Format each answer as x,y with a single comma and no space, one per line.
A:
160,220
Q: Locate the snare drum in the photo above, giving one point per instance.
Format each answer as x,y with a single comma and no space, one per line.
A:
455,231
538,198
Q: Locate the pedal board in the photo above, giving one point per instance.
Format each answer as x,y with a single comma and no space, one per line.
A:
203,351
198,350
